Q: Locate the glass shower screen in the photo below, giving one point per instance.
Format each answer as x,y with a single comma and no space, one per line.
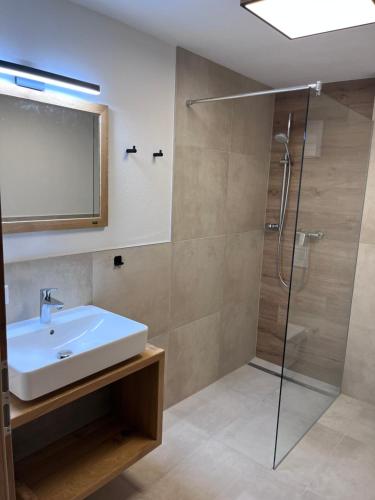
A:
328,224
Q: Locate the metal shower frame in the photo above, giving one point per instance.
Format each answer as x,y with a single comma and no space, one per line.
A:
313,86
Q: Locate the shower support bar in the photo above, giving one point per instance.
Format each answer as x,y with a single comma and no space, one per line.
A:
317,86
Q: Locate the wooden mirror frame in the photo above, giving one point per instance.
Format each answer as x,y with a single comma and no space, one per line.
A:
49,223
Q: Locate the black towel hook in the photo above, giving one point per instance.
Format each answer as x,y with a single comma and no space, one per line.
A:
159,154
131,150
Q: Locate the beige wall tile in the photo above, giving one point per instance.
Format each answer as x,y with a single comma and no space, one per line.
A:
162,341
359,370
243,266
213,198
252,126
71,274
193,357
368,221
247,192
140,289
197,278
202,125
360,358
208,125
200,182
360,364
238,334
364,287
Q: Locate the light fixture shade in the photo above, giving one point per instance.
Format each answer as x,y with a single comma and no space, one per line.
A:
20,71
300,18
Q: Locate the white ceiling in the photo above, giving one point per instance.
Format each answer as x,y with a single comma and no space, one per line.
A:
224,32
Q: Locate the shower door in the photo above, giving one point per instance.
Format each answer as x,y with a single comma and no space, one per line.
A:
328,224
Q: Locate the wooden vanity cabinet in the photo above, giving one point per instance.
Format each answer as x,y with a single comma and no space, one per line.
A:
119,417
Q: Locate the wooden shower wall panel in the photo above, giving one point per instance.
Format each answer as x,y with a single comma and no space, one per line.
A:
358,96
273,297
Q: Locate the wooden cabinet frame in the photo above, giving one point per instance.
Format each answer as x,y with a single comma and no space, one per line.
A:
75,465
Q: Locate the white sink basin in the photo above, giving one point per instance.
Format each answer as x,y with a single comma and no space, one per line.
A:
91,338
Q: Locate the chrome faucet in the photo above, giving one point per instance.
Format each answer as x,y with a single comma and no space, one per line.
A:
47,303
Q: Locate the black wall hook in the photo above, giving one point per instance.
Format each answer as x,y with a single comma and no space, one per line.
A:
117,261
131,150
156,155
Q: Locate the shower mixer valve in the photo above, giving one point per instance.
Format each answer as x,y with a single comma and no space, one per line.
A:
271,227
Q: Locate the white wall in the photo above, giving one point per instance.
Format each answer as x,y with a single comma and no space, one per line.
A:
137,76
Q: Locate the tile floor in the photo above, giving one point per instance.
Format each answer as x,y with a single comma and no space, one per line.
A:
218,445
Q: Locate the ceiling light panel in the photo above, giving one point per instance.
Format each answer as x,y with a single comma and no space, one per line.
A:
299,18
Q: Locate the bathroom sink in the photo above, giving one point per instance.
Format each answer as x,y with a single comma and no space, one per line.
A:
77,343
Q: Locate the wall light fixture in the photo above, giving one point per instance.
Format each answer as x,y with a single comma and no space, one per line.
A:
32,74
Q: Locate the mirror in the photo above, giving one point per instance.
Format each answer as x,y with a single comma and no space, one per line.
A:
53,162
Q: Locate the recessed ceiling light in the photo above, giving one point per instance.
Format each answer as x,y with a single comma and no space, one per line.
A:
299,18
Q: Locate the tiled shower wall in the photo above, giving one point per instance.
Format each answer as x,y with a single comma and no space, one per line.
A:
332,185
199,294
359,374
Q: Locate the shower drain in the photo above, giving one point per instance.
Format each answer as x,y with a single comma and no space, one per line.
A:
64,354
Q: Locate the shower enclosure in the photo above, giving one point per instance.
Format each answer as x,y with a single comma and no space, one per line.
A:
331,190
321,165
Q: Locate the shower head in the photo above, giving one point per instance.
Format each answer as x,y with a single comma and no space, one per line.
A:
281,138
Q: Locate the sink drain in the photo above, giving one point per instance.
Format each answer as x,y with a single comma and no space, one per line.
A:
64,354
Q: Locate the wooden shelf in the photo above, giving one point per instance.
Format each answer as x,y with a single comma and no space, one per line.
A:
82,459
79,464
23,412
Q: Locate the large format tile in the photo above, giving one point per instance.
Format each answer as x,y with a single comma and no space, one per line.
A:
253,435
246,192
193,357
243,265
118,489
348,474
362,307
263,485
360,363
140,289
368,221
238,333
302,464
252,126
352,417
200,182
71,274
360,367
250,381
197,278
179,442
209,125
162,341
310,495
215,407
212,471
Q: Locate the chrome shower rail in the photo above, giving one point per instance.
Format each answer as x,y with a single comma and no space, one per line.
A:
314,86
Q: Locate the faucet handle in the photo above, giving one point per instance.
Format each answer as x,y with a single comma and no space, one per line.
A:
45,293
